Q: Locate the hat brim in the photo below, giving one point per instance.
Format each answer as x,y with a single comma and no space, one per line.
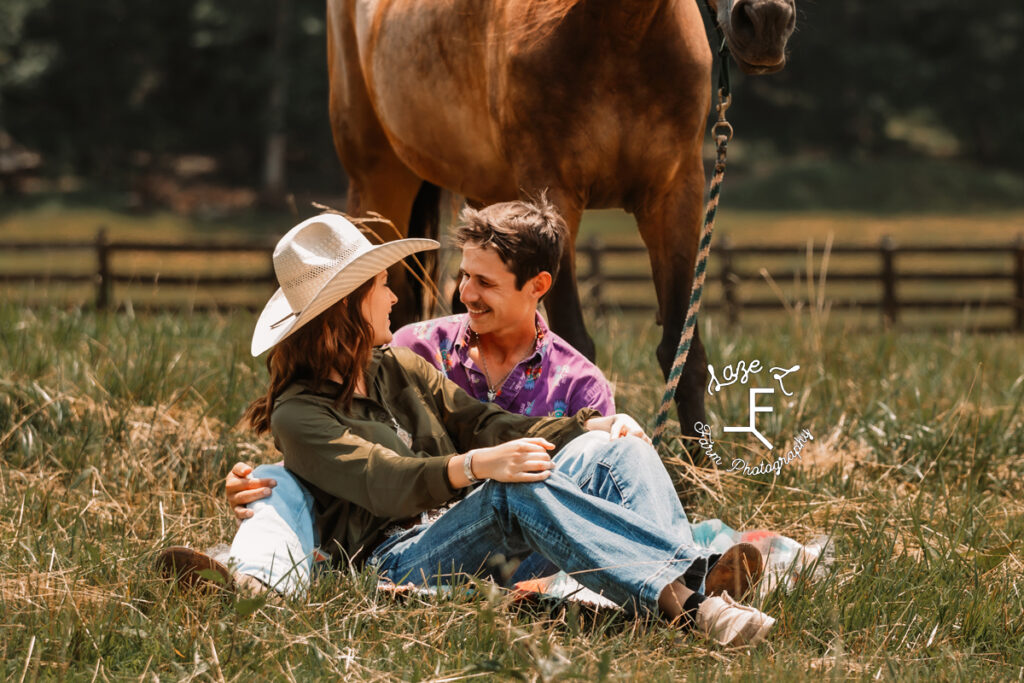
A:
274,323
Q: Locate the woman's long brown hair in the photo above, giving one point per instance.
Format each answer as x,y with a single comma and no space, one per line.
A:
339,339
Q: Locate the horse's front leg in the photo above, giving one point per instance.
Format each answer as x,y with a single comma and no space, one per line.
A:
670,227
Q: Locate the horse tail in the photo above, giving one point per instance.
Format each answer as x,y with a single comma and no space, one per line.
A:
425,221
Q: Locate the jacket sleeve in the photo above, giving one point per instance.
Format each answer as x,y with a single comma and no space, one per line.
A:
475,424
331,456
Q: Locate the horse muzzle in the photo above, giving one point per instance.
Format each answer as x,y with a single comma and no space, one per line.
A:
758,31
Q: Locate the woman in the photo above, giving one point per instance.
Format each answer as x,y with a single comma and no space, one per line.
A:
381,439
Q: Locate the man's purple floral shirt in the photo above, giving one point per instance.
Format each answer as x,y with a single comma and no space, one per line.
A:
555,380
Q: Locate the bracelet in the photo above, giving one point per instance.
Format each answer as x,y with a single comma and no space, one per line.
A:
467,467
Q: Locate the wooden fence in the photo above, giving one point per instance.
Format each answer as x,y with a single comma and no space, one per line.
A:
599,282
886,271
104,277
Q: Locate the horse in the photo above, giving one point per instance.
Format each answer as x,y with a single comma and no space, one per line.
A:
601,103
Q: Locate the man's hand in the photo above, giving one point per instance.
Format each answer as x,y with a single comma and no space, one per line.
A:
241,489
617,426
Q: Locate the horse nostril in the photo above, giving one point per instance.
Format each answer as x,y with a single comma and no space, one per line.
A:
778,17
743,22
762,19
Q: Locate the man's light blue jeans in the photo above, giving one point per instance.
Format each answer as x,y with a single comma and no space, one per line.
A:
608,515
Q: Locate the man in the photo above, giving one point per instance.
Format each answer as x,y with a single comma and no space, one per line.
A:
501,350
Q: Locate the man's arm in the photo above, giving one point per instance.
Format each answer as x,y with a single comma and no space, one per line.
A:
592,391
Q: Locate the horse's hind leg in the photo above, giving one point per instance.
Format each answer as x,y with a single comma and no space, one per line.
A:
565,313
670,227
378,180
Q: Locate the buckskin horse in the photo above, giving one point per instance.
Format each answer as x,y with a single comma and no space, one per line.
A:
603,103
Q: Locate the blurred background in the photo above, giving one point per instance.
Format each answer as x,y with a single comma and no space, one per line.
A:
132,97
208,118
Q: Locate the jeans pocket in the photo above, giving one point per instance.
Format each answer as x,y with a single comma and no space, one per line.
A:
607,487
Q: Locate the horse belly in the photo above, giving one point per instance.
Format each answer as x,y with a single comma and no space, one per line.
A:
424,66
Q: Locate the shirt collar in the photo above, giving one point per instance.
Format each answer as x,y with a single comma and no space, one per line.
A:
464,337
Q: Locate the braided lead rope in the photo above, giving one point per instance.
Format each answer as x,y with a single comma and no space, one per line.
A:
722,132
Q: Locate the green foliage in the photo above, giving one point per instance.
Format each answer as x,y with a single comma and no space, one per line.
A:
162,78
115,432
92,84
870,79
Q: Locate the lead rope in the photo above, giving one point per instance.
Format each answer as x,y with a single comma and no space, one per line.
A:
722,132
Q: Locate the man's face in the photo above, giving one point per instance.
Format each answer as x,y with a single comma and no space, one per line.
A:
488,289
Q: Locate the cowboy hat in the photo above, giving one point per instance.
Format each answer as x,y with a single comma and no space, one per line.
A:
320,261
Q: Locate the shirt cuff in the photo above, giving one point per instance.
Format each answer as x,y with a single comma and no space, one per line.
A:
438,485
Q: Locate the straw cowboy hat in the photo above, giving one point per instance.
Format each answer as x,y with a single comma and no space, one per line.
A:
320,261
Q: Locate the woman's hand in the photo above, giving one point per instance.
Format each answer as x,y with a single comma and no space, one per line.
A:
241,489
521,460
617,426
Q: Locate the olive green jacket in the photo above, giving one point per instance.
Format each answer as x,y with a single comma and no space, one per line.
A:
364,476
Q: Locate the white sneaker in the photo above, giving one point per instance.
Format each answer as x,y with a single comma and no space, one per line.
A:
729,623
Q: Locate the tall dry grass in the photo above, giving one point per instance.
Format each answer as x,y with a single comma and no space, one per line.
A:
116,430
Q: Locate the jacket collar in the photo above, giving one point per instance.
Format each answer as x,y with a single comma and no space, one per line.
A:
329,388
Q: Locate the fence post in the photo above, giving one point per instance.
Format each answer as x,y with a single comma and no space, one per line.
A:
102,270
596,274
1018,279
728,279
890,305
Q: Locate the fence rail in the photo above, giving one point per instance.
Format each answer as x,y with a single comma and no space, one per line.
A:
595,276
887,272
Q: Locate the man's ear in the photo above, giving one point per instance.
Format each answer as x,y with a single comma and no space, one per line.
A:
540,284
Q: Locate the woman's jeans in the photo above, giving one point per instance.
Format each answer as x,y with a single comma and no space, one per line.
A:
276,544
608,515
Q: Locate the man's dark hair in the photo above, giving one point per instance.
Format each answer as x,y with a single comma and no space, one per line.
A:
527,235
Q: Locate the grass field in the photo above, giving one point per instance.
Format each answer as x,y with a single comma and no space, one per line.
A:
116,431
